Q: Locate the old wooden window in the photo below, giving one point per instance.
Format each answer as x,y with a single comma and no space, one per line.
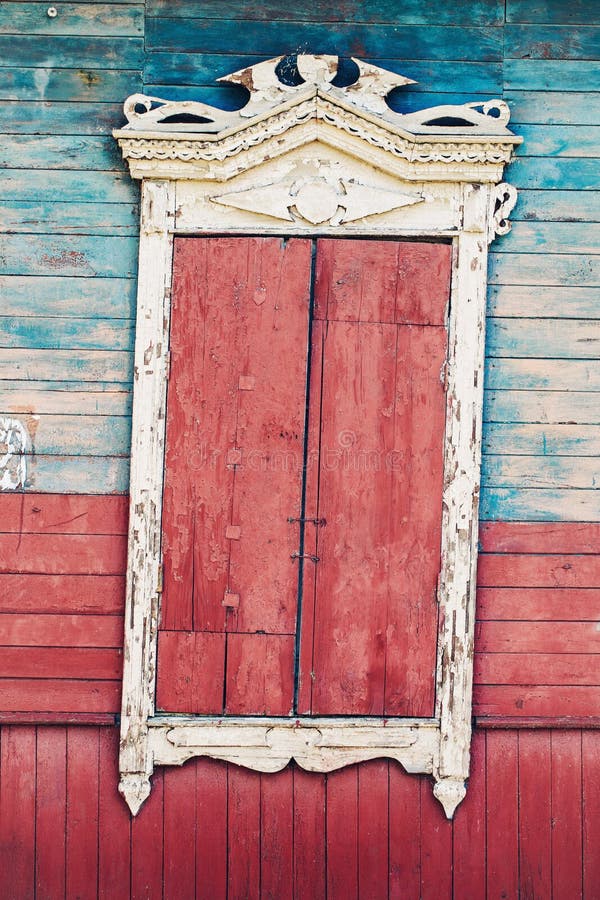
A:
307,426
303,479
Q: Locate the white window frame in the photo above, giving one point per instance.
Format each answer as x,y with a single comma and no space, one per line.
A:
432,174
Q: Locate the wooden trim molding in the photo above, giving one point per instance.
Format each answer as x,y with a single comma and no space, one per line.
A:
313,158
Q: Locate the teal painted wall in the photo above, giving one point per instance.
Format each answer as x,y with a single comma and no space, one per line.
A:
68,212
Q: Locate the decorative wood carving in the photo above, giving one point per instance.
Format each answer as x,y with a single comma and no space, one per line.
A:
317,200
313,158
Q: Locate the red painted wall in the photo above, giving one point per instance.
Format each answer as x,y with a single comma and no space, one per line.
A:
529,825
532,807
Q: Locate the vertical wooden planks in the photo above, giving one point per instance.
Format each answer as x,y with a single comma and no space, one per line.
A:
235,436
502,814
342,834
405,835
370,605
309,834
567,863
353,575
272,368
17,809
191,668
147,831
82,812
416,466
535,791
50,811
436,848
114,823
243,834
260,677
277,835
590,811
179,825
200,429
211,829
469,829
373,829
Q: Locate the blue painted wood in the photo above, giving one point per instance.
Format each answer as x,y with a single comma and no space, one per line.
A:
556,407
541,440
520,301
525,268
552,237
551,74
77,255
66,401
543,374
541,472
67,385
35,364
51,218
53,151
60,118
411,12
202,69
78,474
93,85
55,295
71,435
551,12
64,186
553,41
553,172
71,52
540,505
543,338
560,140
67,333
377,41
552,107
103,19
557,206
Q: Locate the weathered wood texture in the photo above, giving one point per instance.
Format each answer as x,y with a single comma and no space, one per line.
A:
366,832
66,197
62,564
536,639
234,476
375,454
68,238
62,597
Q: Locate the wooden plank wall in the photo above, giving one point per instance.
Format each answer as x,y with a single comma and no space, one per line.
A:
62,564
68,213
68,238
529,826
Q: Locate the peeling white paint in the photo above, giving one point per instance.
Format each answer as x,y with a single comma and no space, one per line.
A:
13,462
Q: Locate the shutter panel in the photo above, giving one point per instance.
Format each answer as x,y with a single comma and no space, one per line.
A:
375,476
233,473
235,464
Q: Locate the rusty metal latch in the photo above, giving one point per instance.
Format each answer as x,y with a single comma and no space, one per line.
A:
299,555
319,523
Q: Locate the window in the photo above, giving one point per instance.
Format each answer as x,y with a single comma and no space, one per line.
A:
307,426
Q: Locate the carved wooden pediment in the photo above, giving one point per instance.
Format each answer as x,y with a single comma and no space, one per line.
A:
310,155
279,117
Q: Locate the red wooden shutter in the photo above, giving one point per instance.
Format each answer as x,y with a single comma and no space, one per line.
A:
234,468
235,433
377,413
